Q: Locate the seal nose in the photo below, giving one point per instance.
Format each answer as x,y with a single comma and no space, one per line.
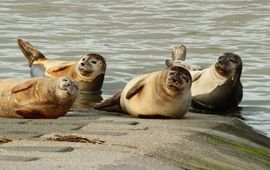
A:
220,62
83,64
174,80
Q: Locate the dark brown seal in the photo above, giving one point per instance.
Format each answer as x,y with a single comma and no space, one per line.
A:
218,88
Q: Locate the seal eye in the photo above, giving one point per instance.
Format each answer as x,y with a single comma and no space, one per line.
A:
220,58
93,62
233,61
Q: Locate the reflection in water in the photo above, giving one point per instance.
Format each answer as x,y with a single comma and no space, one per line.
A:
87,99
136,37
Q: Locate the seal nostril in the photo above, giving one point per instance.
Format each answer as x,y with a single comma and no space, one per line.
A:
83,64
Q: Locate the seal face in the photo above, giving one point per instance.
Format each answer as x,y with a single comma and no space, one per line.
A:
229,65
37,97
161,94
178,78
66,88
218,88
89,71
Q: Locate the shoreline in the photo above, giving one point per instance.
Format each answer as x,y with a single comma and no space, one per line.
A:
117,141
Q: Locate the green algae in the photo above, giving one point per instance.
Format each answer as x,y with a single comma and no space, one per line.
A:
193,162
238,146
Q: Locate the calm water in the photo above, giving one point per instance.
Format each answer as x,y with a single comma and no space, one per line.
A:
136,37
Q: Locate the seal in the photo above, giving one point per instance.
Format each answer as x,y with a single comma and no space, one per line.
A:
39,97
218,88
178,58
160,94
89,71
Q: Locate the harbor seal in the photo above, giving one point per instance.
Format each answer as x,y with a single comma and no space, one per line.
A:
218,88
160,94
89,71
178,58
39,97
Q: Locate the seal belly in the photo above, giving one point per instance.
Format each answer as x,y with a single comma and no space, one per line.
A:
38,70
8,103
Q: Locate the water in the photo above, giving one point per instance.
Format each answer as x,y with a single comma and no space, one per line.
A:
136,37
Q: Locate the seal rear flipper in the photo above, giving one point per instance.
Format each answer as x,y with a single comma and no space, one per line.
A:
23,86
29,51
136,88
112,104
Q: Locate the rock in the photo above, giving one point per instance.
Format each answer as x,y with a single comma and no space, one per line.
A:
198,141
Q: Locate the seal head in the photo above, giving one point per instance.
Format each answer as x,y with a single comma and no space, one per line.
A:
67,88
91,64
229,65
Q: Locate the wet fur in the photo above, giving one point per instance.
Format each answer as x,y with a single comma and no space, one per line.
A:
214,92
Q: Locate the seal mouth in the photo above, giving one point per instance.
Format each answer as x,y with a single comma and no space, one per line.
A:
175,84
175,88
85,71
221,68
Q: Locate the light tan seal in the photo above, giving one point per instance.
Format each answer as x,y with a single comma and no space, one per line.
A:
218,88
89,71
37,97
161,94
178,58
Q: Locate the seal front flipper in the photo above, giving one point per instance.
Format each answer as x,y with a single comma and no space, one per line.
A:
112,104
28,112
220,99
35,112
29,51
196,75
60,70
23,86
136,88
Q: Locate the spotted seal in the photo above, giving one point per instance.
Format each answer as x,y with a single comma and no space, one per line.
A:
39,97
218,88
160,94
89,71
